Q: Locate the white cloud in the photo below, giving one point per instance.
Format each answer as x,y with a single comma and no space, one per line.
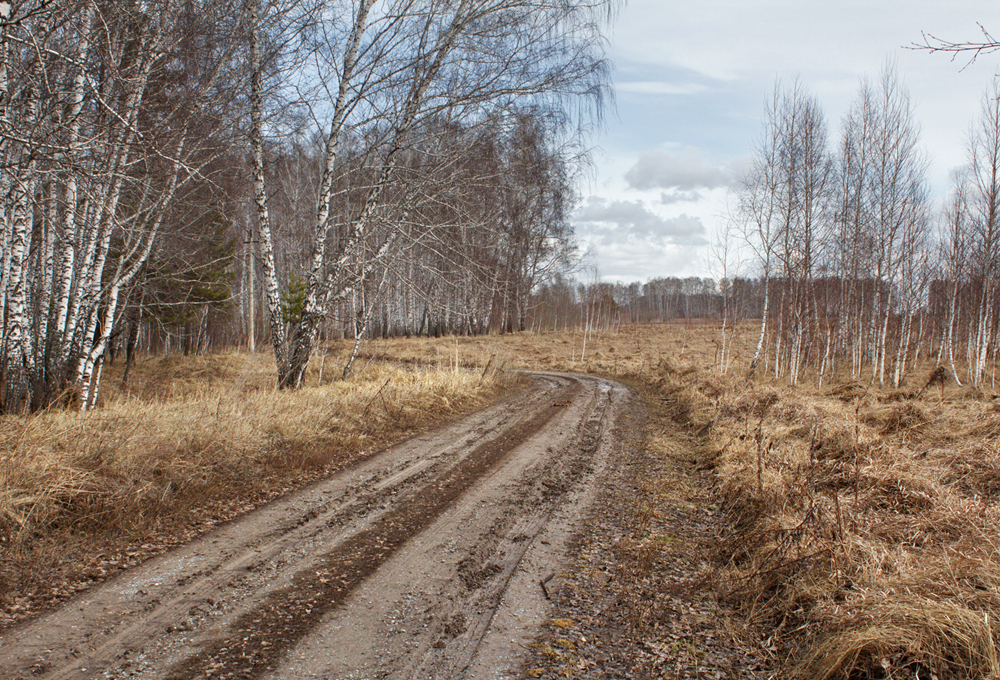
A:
684,171
603,223
659,87
636,261
679,197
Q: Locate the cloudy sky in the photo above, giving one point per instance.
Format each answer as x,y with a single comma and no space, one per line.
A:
691,80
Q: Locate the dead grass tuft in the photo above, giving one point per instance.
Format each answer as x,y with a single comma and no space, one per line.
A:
905,638
901,417
850,391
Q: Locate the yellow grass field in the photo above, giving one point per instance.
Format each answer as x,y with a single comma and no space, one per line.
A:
863,522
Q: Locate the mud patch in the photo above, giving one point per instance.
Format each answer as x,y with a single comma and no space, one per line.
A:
474,575
259,638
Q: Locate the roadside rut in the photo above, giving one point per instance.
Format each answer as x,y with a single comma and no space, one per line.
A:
425,560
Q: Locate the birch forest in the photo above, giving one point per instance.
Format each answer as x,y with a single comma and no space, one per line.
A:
859,271
176,173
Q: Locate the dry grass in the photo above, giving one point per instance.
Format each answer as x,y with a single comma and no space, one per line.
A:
868,525
864,523
633,351
194,441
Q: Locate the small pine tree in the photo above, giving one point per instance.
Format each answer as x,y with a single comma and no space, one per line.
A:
293,299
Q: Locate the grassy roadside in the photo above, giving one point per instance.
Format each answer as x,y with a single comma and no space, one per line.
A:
194,441
859,524
866,522
853,529
636,602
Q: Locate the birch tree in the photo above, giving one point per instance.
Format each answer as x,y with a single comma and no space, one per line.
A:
984,157
895,186
759,208
783,206
882,207
104,120
952,263
390,70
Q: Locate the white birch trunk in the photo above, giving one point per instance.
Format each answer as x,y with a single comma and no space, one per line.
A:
950,343
763,329
17,338
260,192
882,339
68,234
984,334
904,342
44,288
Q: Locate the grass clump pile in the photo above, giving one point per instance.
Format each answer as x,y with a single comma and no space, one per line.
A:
193,441
864,522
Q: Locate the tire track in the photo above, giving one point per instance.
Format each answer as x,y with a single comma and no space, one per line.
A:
433,536
463,599
259,638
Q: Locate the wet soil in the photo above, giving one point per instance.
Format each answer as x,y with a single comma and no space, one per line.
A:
635,599
430,559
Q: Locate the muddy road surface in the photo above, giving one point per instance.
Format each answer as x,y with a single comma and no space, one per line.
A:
431,559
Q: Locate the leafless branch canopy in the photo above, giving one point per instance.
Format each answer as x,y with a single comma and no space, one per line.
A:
970,49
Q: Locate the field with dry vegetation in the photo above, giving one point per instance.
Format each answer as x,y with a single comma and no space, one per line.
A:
192,442
862,522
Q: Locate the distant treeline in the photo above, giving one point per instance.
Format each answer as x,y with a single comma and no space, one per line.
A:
840,331
942,322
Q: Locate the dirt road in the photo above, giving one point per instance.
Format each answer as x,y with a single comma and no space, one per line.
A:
432,559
